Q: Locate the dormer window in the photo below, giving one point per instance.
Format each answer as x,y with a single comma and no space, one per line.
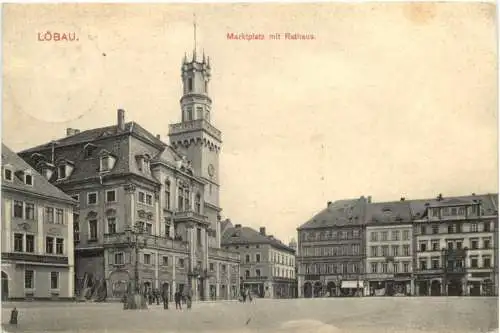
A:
107,161
28,178
64,169
7,174
88,149
143,162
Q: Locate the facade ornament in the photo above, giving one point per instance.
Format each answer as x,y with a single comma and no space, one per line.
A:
91,215
111,211
129,188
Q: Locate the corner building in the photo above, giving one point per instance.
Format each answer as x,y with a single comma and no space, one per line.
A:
124,176
267,265
331,250
455,245
37,234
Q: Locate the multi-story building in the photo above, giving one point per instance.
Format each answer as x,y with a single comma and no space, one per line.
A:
124,177
455,245
389,252
37,234
331,250
267,265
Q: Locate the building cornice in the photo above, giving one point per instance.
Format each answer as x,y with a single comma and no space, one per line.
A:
7,188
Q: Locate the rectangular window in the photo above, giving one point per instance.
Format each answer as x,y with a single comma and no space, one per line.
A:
111,225
458,227
435,229
165,261
141,197
92,198
29,279
374,251
59,245
197,203
198,236
384,235
147,259
423,230
459,245
111,196
180,199
385,250
18,209
473,227
18,242
406,235
149,199
406,267
474,244
435,245
149,228
181,262
28,179
211,267
257,257
486,227
486,262
187,204
384,267
450,229
406,250
76,227
450,245
105,163
247,258
423,247
461,211
93,230
223,267
30,243
119,258
473,262
49,215
453,212
54,280
374,267
435,212
486,243
59,216
49,245
373,236
395,267
395,235
61,172
395,250
8,174
167,195
435,263
29,211
423,265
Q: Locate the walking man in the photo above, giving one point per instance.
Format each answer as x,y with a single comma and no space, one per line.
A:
177,298
164,297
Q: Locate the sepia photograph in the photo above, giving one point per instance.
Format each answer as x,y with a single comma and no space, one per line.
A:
324,167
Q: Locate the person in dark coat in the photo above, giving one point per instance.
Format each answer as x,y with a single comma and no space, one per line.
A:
164,297
177,298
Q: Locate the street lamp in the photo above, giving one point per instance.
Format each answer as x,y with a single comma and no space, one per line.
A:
135,299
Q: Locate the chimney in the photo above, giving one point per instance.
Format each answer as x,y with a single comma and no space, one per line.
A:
237,226
402,199
328,204
158,136
121,120
473,194
369,199
263,231
71,131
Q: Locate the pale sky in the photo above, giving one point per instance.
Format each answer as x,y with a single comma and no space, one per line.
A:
389,100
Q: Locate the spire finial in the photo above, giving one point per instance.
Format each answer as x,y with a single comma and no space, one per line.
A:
194,32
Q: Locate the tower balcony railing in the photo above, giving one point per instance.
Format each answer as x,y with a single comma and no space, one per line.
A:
150,241
194,125
221,253
190,216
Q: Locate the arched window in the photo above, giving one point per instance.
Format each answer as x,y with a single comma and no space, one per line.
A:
180,199
167,194
186,199
197,203
247,273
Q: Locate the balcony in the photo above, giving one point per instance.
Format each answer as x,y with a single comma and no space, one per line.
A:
220,253
190,216
193,125
155,242
34,258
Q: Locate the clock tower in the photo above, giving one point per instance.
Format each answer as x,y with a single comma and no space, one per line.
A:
195,136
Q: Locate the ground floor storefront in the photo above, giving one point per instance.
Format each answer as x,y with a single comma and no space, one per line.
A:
331,286
271,288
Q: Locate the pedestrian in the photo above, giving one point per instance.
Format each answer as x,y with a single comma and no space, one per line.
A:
189,297
244,295
157,296
164,297
177,298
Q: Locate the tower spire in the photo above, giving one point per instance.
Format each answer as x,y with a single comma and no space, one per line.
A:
194,32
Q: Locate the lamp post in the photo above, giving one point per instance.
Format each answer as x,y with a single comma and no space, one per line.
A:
135,299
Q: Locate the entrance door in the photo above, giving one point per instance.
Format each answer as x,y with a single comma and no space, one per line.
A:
5,286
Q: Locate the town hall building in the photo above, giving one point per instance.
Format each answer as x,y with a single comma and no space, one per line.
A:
135,190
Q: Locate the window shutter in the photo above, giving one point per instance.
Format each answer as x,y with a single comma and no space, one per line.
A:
111,258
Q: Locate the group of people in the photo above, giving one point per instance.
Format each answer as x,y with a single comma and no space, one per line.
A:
245,294
154,295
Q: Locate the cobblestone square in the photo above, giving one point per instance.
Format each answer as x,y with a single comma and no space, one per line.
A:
324,315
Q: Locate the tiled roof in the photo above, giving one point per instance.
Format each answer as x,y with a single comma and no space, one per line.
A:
245,235
489,203
41,186
99,133
108,139
339,213
389,212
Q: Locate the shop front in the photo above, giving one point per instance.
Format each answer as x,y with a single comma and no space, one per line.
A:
380,284
429,285
351,288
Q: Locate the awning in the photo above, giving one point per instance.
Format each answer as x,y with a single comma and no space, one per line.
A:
352,284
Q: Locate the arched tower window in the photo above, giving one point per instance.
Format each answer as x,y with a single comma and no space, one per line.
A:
167,194
197,203
190,84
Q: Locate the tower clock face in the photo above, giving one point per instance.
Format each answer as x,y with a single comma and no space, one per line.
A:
211,170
